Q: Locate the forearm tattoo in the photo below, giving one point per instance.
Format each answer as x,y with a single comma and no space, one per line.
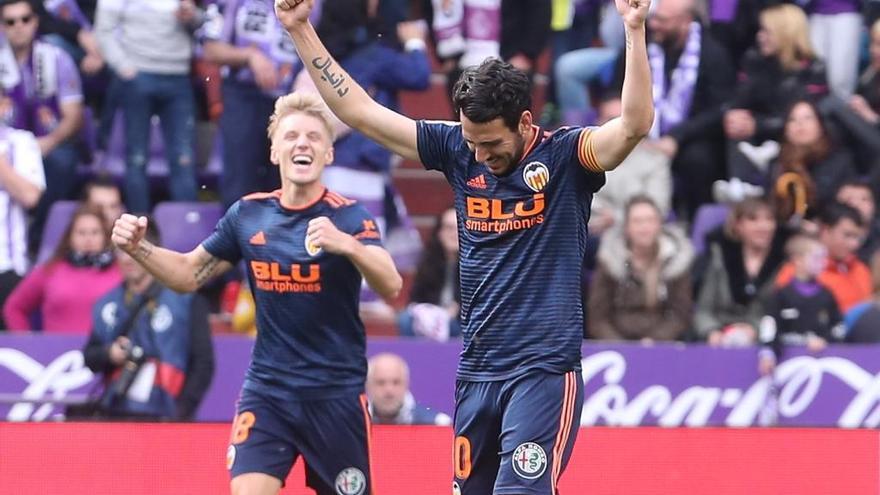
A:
629,40
336,81
206,269
143,251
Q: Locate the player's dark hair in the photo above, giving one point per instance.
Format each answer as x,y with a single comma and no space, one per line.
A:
835,212
491,90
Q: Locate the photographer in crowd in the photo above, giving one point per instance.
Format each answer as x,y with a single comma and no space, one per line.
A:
153,346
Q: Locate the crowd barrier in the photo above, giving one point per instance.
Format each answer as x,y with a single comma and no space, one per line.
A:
181,459
625,384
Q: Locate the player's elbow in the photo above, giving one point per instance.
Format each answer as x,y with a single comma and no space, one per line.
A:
636,129
392,287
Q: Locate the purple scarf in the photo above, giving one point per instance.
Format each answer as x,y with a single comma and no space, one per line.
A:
32,88
672,104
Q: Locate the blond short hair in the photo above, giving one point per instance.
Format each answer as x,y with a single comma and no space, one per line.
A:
301,102
790,26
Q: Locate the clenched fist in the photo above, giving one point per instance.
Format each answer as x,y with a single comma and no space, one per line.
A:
128,231
323,234
293,13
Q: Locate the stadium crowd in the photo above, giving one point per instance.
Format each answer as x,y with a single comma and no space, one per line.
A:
756,188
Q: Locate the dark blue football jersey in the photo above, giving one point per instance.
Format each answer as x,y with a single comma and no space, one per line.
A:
310,339
522,242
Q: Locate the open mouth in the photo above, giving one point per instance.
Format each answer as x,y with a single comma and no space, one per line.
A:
302,160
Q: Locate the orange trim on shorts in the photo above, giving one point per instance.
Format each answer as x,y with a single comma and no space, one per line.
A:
369,425
566,418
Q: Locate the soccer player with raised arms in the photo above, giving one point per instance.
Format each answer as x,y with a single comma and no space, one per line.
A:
306,251
523,199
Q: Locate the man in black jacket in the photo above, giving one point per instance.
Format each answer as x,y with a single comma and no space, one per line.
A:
693,78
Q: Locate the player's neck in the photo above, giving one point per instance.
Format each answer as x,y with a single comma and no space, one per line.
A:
299,196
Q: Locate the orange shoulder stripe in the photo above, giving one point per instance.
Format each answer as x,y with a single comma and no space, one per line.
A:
262,195
586,152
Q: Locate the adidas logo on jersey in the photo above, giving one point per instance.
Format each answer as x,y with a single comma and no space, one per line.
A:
258,239
478,182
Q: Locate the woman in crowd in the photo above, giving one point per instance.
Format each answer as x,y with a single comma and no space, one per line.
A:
642,287
781,70
810,167
434,301
743,262
63,290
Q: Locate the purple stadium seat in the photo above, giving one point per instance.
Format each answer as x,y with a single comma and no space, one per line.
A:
184,225
709,217
56,224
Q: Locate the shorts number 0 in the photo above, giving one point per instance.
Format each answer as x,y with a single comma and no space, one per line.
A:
461,457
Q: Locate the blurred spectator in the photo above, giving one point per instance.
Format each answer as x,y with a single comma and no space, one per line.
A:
645,171
574,25
810,167
65,23
862,322
64,289
466,32
836,35
391,402
841,230
433,310
642,289
802,312
104,195
743,259
21,184
782,70
72,23
260,65
859,195
152,344
149,47
577,69
42,94
692,78
866,101
362,168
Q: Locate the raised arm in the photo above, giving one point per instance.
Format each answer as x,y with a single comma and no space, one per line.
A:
614,140
343,95
182,272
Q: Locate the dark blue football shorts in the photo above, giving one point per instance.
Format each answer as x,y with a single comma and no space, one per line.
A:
515,436
332,435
